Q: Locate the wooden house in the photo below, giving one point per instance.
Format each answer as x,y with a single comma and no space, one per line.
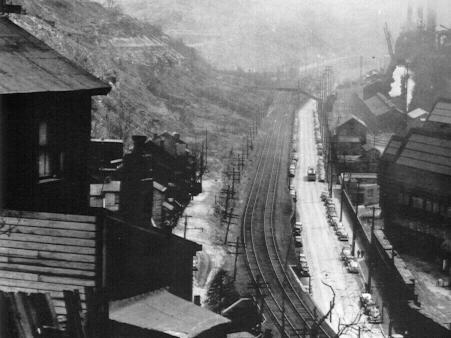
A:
50,239
349,136
45,111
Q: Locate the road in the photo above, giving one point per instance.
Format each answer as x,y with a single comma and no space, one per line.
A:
320,243
285,304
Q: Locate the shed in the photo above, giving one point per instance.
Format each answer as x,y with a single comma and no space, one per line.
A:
162,314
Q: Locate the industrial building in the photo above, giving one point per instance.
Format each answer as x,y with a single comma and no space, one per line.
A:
415,180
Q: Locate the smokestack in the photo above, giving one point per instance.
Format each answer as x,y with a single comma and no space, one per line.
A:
432,17
420,16
409,15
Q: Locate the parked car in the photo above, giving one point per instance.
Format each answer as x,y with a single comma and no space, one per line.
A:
298,241
331,214
338,225
302,258
324,195
333,221
298,226
374,315
343,237
304,267
352,265
345,253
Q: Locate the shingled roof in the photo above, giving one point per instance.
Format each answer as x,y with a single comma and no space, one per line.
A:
392,148
380,105
27,65
441,113
430,153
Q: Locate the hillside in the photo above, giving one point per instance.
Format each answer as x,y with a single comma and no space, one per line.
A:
158,83
268,34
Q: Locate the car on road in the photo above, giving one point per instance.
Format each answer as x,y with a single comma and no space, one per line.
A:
343,237
352,265
374,315
311,174
338,225
333,221
304,267
324,195
298,241
331,214
302,258
298,227
345,253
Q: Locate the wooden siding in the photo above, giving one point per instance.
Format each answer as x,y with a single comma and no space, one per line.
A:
41,252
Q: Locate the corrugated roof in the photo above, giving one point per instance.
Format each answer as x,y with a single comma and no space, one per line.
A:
428,153
27,65
162,311
379,105
441,113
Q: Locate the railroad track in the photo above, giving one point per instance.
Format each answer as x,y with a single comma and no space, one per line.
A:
290,313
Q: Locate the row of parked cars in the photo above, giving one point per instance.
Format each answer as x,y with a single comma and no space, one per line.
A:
332,217
297,233
321,173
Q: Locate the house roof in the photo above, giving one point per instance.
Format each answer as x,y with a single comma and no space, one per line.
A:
379,105
430,153
416,113
159,186
441,113
164,312
28,65
352,117
392,148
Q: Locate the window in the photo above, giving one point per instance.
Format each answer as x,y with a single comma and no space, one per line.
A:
428,206
50,160
435,208
417,202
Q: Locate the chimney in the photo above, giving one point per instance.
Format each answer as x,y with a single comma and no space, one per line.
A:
138,143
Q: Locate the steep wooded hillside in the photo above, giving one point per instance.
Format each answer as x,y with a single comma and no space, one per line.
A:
158,83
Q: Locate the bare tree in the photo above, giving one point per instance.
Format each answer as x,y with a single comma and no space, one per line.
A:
343,328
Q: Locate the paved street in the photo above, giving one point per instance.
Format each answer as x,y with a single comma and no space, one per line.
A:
320,243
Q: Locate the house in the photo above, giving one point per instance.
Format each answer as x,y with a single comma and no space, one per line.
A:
385,114
104,157
440,117
349,136
45,107
362,188
415,181
50,238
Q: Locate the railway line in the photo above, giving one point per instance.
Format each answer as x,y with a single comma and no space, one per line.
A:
291,311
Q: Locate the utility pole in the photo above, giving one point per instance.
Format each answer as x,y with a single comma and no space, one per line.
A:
186,225
230,215
258,285
236,246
